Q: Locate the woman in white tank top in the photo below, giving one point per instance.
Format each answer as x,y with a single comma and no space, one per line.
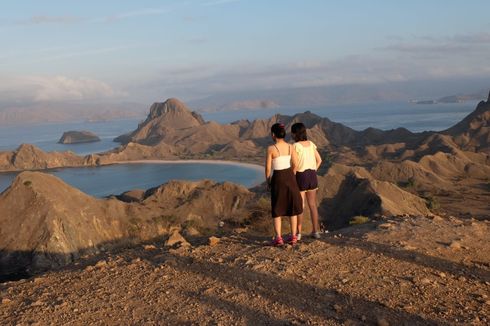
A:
285,197
309,161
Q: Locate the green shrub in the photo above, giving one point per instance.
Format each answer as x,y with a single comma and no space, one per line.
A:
410,183
432,202
356,220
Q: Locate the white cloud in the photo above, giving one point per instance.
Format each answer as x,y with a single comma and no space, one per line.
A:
54,88
199,81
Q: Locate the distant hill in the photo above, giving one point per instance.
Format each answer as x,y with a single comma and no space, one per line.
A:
171,123
322,96
477,96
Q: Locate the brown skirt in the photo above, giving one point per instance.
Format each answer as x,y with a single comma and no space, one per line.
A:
285,196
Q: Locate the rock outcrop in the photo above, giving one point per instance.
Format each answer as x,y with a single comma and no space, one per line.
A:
169,115
77,137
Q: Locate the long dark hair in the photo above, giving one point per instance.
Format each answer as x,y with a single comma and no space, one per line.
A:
278,130
299,131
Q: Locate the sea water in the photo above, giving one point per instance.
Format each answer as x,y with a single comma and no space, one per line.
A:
414,117
115,179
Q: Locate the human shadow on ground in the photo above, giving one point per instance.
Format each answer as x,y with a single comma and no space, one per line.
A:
421,259
301,299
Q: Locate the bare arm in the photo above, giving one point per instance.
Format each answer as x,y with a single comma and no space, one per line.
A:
318,159
268,165
294,159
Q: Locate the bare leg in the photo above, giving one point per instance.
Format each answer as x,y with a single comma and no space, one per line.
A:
311,199
293,220
300,216
277,226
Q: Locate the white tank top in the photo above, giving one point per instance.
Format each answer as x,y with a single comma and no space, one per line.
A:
306,156
282,162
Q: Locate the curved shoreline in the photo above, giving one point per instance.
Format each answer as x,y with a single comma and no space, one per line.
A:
223,162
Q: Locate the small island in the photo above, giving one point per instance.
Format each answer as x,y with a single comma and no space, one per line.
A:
78,137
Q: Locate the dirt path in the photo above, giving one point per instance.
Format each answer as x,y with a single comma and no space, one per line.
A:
411,271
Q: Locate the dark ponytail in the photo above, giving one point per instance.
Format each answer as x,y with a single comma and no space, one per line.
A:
278,130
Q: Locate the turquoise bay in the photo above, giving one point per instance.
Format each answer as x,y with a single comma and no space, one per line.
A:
114,179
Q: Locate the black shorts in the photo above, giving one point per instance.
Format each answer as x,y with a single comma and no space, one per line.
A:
307,180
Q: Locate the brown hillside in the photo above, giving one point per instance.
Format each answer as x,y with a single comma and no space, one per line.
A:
47,223
473,132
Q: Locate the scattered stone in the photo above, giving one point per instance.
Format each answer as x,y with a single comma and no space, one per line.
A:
191,232
437,218
37,279
6,301
149,247
409,247
455,245
337,308
382,322
386,226
176,239
37,303
258,266
240,230
89,268
101,264
424,281
213,241
443,275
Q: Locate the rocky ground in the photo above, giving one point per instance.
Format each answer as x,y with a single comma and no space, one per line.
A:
397,271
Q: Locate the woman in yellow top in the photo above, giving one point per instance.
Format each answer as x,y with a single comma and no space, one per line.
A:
309,161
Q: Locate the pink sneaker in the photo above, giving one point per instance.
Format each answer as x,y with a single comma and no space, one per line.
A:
293,240
277,242
289,237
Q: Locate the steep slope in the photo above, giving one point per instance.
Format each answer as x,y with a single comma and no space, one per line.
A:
171,114
47,223
473,132
345,192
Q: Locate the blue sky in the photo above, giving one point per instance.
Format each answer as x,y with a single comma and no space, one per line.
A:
148,50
